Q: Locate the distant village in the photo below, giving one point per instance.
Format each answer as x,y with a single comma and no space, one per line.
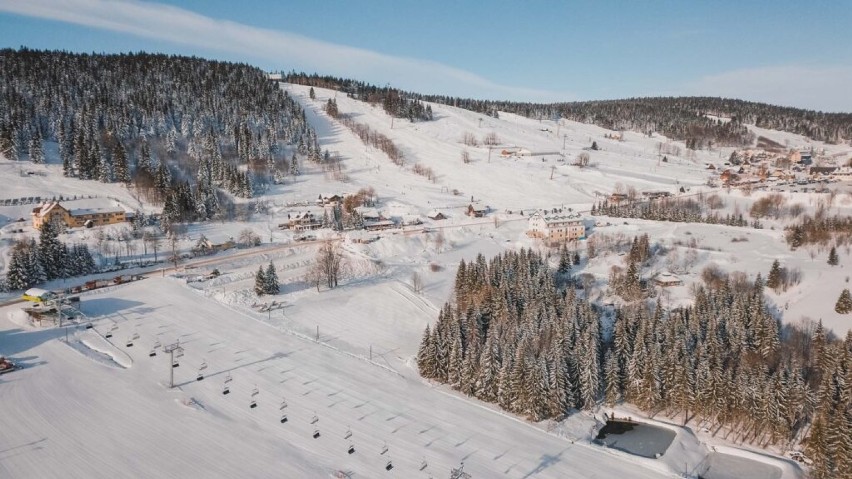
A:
772,166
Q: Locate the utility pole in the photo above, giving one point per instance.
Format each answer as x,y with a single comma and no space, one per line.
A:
489,150
172,349
564,139
552,169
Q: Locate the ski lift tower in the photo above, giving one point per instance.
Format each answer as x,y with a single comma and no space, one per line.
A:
174,349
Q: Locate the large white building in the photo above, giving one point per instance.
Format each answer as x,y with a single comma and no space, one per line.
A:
556,227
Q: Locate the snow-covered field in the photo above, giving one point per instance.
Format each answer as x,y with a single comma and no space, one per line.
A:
67,415
95,408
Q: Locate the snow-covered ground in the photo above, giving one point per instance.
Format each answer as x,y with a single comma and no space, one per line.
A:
65,414
95,408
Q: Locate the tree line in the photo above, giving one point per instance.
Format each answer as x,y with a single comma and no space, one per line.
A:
512,337
33,263
679,210
395,102
701,122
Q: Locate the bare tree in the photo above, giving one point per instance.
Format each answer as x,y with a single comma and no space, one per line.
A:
155,245
465,157
330,263
173,242
439,241
491,139
582,160
469,139
416,282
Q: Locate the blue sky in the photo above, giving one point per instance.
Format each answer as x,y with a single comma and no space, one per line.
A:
784,52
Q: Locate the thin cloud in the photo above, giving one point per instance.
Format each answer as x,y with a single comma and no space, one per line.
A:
824,88
177,25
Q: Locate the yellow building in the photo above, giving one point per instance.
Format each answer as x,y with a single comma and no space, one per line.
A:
77,218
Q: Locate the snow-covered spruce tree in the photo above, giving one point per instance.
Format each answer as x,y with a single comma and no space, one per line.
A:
426,355
17,276
844,302
50,251
36,148
832,256
271,280
260,282
773,281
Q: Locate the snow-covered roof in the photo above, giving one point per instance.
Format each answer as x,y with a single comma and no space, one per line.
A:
434,214
550,218
37,292
368,212
93,211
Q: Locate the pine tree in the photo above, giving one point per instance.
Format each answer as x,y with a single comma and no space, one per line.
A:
312,94
773,281
832,257
612,379
260,282
844,302
17,276
50,251
36,148
119,161
271,280
426,355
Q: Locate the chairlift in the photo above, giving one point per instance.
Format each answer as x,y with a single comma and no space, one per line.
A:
89,326
175,363
283,405
135,336
316,434
351,449
423,464
389,466
228,378
157,344
384,449
129,343
226,390
200,377
152,353
253,404
108,334
348,433
254,392
283,418
203,366
314,419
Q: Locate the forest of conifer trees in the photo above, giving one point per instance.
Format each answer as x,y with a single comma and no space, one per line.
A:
182,130
511,337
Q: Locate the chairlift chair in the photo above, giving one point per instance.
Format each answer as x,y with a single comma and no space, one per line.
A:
316,434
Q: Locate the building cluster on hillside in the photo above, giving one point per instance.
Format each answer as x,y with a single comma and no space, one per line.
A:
755,167
78,217
331,207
